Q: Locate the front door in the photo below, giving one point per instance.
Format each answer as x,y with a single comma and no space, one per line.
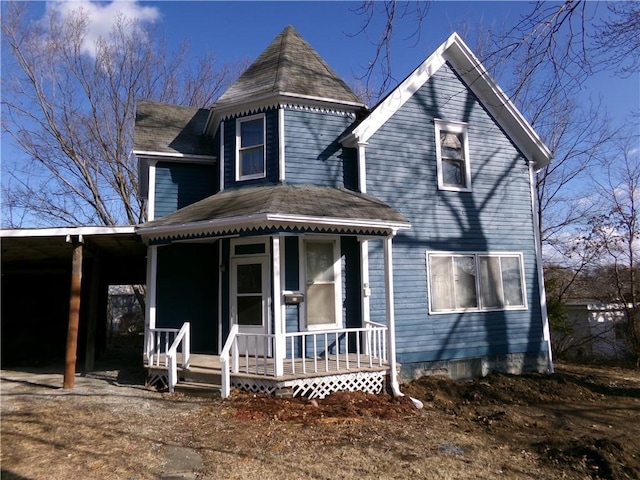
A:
250,289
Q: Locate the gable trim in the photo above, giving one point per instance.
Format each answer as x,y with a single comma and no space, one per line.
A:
455,52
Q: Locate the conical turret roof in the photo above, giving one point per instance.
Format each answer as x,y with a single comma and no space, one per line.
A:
289,66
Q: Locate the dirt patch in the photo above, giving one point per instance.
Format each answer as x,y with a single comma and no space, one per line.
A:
581,422
338,406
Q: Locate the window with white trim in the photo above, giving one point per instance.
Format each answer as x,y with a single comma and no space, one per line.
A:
475,281
452,154
323,283
250,151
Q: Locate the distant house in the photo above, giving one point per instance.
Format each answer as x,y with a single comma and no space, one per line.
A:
314,244
597,330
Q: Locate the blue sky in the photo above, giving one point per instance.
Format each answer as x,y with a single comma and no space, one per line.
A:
243,29
236,30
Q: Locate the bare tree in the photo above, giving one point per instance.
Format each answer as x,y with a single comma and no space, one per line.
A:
379,70
618,39
564,42
615,230
72,113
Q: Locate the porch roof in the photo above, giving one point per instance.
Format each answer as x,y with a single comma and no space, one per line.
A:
288,208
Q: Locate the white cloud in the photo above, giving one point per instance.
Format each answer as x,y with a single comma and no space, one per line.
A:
102,16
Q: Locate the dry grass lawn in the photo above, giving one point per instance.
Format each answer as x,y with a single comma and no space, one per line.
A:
579,423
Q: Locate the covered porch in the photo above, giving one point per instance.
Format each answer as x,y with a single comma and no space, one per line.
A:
293,289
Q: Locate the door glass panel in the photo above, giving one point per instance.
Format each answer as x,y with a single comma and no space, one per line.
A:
250,278
250,310
249,299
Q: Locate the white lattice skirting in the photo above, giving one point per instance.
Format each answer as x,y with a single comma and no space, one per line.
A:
317,387
255,385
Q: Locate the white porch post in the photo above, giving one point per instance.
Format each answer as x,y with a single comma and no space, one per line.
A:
364,275
278,317
362,167
150,311
391,323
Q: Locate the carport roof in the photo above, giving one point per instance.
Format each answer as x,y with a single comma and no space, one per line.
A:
37,245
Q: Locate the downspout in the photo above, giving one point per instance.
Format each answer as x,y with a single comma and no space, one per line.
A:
546,330
391,327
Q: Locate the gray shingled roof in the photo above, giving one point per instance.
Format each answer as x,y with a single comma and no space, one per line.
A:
166,128
288,65
294,200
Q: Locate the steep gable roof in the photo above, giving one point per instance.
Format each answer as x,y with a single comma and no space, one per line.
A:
464,62
288,67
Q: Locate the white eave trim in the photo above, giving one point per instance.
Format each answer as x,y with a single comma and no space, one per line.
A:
64,231
275,100
266,220
169,156
458,54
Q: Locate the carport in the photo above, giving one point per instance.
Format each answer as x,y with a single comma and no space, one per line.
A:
55,285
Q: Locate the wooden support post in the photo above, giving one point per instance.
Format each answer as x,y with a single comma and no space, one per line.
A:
74,316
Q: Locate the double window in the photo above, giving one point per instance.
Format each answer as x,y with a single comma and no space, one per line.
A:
452,153
250,151
475,281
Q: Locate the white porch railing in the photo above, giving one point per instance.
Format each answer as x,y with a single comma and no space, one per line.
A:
162,350
230,348
325,351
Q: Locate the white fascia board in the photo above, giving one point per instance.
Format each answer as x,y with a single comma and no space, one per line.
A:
397,98
497,102
266,220
462,59
338,222
274,100
174,156
64,231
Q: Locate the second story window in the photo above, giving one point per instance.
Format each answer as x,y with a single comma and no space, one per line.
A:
452,151
250,151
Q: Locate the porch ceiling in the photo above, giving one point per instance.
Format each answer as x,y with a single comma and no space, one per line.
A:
278,208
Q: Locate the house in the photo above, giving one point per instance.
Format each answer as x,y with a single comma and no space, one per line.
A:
596,330
310,244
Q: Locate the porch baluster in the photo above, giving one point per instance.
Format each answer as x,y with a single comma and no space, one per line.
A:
264,357
326,352
346,348
293,355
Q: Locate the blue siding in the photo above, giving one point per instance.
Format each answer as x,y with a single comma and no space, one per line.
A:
185,272
495,216
181,184
313,154
271,118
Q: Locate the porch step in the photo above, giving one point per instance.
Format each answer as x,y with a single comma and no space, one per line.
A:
200,375
200,389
